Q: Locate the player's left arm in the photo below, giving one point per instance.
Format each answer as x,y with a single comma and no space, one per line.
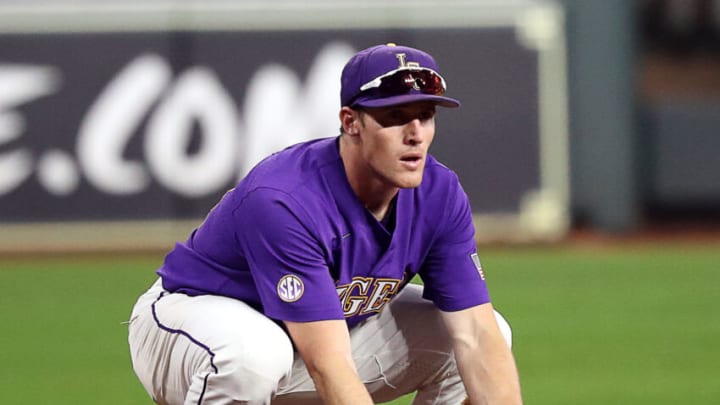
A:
455,281
484,359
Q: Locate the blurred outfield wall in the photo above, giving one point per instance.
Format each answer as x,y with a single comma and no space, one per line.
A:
121,123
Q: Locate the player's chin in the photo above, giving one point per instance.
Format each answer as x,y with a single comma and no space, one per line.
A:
409,180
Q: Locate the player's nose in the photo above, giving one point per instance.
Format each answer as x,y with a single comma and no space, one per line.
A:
414,133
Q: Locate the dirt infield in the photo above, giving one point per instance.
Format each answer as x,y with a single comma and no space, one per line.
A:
669,232
157,238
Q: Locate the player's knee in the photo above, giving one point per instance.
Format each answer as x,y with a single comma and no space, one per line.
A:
254,372
271,364
504,328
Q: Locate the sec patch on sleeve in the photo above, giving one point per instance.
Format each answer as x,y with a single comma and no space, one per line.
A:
290,288
476,260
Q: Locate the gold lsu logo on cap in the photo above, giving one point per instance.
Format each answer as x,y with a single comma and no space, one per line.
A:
403,63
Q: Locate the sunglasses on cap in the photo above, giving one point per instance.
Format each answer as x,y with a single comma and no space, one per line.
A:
403,80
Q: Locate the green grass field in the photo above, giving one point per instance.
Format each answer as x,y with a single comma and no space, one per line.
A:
622,325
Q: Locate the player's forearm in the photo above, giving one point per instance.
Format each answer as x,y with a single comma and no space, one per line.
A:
489,373
337,382
325,349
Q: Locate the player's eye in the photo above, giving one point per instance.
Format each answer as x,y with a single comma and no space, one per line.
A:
426,115
394,117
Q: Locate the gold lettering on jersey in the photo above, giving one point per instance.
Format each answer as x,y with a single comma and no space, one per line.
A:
384,290
354,295
364,295
402,62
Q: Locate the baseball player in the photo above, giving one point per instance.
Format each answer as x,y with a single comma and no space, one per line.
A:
295,289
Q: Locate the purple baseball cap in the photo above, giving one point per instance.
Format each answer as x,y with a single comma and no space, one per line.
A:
386,75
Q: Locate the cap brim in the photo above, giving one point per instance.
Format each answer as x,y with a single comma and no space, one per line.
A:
405,99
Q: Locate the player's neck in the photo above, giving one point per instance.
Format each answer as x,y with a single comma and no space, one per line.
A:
380,211
375,195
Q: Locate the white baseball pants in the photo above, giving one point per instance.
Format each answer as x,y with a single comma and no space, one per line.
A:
217,350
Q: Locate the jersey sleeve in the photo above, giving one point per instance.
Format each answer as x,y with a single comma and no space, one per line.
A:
286,260
452,272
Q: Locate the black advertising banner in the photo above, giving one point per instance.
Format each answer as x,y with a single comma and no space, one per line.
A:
158,124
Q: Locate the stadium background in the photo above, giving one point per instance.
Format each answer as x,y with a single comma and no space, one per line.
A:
587,142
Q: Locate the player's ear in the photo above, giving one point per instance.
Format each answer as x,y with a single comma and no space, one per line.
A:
350,120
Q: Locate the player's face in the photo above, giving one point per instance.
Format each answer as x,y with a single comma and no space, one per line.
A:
395,142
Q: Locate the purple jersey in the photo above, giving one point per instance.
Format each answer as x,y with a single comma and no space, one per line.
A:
293,241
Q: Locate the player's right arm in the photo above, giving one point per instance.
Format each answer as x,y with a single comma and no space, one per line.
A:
325,348
282,245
